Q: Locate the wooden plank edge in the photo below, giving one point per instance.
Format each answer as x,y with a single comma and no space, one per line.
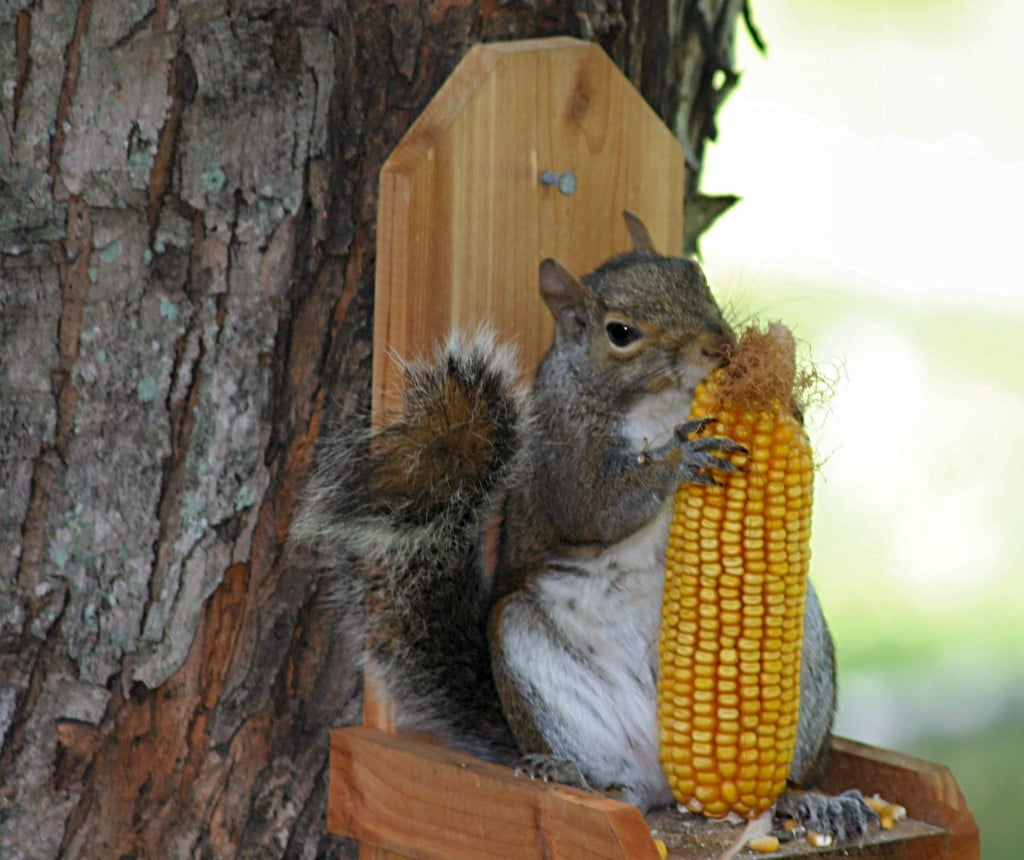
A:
460,86
476,809
404,794
392,273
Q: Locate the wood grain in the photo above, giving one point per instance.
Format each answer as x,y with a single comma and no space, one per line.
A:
464,220
407,795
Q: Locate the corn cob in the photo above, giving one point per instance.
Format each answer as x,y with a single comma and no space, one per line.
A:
735,586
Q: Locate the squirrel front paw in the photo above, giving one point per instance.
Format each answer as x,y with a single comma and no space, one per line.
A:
699,453
550,768
843,816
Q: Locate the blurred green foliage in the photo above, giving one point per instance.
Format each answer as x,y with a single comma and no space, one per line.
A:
948,649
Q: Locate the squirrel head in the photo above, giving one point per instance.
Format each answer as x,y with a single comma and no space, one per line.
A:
639,324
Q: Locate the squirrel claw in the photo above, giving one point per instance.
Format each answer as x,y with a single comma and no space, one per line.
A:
700,460
726,446
686,432
702,478
693,428
549,768
700,454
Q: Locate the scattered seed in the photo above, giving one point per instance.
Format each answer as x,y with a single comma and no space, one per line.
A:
764,844
819,840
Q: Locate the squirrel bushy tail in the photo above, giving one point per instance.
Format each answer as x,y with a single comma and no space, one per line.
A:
409,502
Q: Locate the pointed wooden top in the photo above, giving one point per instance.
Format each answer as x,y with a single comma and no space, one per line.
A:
465,219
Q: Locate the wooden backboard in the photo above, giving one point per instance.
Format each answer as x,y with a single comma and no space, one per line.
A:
464,219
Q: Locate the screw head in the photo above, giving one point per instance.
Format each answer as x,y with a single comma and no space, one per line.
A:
565,182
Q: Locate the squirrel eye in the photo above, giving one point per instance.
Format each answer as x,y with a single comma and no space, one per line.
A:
621,334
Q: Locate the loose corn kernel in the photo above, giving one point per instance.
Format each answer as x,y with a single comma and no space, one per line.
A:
736,573
888,813
819,840
764,844
876,803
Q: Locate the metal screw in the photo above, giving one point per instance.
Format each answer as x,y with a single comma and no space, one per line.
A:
564,182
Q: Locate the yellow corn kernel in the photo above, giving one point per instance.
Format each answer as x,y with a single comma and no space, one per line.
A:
735,587
819,840
888,813
764,844
876,803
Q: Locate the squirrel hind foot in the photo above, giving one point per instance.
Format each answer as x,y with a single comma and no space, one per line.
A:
843,816
551,768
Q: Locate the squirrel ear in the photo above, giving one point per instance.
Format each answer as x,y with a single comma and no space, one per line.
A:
638,233
564,294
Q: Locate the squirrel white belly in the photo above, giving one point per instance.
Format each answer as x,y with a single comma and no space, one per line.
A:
597,644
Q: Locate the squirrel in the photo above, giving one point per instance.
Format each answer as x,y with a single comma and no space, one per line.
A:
510,544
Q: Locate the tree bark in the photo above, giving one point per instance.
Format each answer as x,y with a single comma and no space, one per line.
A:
187,209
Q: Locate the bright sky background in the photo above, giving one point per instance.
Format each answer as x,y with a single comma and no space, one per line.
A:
879,152
879,145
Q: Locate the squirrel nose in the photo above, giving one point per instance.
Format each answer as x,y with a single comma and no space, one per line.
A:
718,350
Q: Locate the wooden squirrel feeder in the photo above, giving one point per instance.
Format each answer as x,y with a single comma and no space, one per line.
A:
533,149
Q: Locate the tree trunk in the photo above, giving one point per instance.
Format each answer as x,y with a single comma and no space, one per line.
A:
187,208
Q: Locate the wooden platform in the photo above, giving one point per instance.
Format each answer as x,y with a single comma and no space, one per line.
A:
409,797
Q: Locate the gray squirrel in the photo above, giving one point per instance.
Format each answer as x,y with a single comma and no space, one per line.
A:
511,543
